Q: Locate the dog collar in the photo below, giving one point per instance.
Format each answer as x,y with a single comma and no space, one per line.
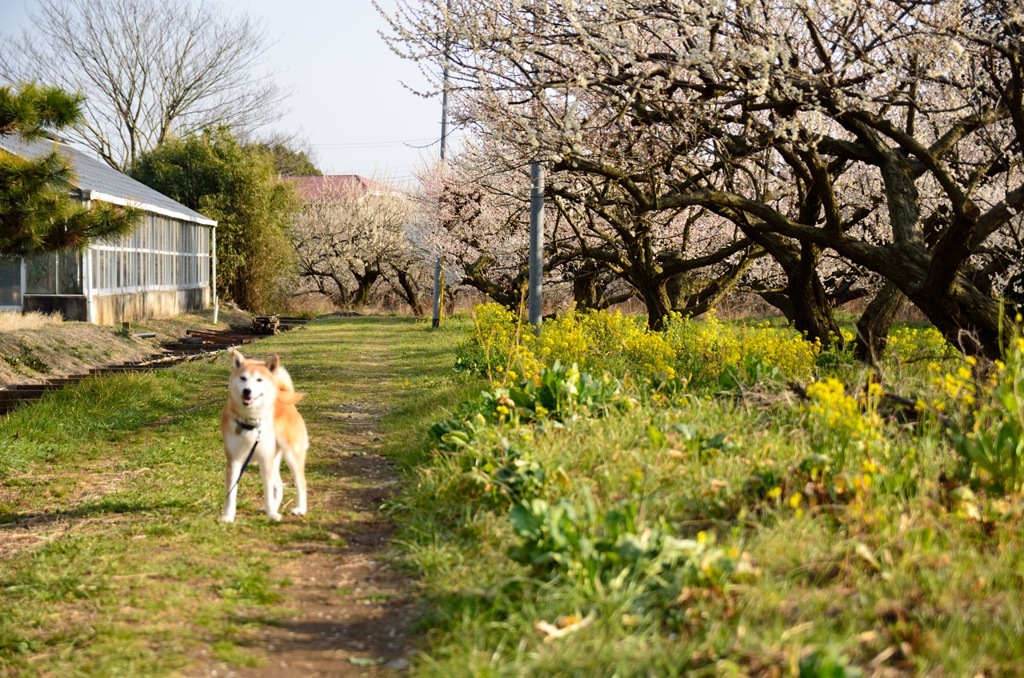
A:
245,426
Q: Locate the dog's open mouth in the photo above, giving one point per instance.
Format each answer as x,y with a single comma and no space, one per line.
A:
251,399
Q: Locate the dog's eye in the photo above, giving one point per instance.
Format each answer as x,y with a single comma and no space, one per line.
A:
259,380
242,379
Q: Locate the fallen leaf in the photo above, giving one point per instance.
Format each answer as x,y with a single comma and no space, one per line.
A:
573,623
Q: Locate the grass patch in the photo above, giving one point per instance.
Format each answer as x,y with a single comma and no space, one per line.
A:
112,561
611,524
645,524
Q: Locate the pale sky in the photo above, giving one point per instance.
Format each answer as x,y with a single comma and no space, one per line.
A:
348,102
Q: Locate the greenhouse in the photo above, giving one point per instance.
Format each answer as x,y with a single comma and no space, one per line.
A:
164,267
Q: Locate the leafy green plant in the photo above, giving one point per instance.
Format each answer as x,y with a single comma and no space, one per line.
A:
606,549
827,663
563,391
994,449
490,464
33,362
755,371
519,475
558,392
840,353
455,433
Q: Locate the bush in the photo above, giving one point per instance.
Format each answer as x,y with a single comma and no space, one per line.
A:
493,336
563,391
603,342
907,342
698,353
213,173
708,349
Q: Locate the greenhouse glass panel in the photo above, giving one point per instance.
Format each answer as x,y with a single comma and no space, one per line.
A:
69,273
41,274
10,282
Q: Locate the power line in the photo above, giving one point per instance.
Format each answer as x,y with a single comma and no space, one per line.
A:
373,144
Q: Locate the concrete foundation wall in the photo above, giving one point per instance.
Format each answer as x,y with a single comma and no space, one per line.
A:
118,308
71,308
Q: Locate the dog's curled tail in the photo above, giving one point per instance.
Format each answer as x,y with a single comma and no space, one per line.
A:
289,397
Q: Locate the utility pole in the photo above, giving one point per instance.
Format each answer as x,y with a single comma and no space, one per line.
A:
444,96
439,264
536,284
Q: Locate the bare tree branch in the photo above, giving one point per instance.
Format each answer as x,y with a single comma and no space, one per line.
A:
148,69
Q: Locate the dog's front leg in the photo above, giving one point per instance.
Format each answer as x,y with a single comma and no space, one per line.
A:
230,490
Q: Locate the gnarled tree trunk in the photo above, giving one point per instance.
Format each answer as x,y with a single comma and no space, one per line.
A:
874,324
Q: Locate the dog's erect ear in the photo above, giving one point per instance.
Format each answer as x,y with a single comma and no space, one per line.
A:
273,363
236,359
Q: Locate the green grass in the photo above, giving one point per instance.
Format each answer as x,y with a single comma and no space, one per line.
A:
815,553
732,531
113,561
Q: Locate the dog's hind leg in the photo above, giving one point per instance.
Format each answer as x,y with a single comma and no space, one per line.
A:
296,460
233,469
278,486
270,473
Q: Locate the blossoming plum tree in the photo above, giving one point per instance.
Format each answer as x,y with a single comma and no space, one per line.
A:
349,242
886,131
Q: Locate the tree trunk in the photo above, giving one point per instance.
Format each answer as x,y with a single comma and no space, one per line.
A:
1013,294
812,313
780,300
804,300
586,288
411,293
657,302
812,316
967,319
874,324
365,282
507,292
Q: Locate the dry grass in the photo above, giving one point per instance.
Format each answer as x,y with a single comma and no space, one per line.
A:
11,321
41,346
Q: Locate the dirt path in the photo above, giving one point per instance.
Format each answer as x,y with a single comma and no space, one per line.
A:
110,525
351,610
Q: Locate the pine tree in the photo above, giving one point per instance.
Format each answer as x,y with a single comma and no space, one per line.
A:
37,213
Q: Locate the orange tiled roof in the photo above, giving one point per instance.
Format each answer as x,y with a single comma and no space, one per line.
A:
341,186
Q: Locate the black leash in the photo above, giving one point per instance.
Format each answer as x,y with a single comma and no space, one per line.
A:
245,464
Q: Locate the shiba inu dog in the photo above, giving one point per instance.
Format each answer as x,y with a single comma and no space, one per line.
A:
260,420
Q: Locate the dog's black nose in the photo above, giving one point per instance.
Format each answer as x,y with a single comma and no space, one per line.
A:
246,393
